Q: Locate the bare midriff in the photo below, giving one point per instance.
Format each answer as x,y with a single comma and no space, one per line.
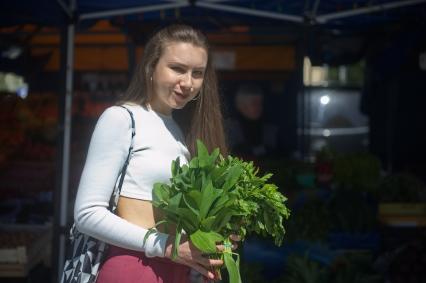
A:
141,213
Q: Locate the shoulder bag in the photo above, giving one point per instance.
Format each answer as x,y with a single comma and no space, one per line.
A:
87,253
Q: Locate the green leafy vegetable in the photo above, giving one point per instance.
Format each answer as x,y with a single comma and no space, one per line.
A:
212,197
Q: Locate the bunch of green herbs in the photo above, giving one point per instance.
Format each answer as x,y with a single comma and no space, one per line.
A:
212,197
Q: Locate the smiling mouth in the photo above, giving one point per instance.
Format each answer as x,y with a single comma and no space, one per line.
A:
181,95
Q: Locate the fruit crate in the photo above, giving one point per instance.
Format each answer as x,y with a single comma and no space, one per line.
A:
22,247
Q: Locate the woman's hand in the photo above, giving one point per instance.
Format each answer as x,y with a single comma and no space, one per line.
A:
234,240
190,256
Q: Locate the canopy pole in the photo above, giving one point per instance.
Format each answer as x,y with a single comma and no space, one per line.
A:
67,139
60,234
65,8
134,10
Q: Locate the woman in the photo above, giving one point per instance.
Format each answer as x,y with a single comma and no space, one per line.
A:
175,73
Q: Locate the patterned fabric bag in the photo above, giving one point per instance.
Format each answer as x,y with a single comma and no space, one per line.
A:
87,253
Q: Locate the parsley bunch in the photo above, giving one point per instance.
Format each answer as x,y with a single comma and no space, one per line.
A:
212,197
260,206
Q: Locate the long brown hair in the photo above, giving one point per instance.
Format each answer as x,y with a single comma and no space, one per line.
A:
199,119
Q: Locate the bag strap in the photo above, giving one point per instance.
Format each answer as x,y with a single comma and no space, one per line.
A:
117,190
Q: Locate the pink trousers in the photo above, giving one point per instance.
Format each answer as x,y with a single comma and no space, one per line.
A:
126,266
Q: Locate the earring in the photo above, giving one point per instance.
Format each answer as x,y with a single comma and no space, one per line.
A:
191,89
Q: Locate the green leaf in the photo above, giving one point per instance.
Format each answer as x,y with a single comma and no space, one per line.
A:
184,168
268,222
150,231
233,174
175,167
208,162
196,196
206,241
218,175
175,201
194,163
189,217
178,236
202,153
221,202
188,226
222,218
208,197
191,204
207,223
214,156
232,267
160,193
171,217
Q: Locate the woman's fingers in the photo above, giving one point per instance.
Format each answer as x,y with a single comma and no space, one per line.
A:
208,262
203,265
234,240
215,262
190,256
221,248
202,270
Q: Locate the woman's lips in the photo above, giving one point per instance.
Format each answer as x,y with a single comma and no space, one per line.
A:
180,95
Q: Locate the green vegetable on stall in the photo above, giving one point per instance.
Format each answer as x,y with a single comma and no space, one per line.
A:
212,197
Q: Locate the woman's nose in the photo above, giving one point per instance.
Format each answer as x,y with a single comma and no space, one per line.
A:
186,81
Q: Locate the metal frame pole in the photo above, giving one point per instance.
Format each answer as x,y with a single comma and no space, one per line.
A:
134,10
61,198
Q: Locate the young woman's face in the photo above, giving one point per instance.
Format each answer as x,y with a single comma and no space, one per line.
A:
178,76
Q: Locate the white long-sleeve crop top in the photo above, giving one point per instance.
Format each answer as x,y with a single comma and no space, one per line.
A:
157,142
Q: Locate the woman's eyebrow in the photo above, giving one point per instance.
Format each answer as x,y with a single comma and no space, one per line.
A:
178,64
172,62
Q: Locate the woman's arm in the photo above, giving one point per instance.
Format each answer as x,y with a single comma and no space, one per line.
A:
107,153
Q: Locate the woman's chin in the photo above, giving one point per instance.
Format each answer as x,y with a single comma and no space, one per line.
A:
180,104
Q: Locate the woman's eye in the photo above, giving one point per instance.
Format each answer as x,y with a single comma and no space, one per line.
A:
178,70
198,74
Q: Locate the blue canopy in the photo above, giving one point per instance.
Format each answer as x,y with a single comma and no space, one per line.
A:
344,14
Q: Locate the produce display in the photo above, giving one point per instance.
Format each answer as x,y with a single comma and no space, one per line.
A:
212,197
401,188
28,128
311,222
349,268
11,130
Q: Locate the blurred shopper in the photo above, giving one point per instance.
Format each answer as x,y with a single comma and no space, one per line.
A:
249,136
